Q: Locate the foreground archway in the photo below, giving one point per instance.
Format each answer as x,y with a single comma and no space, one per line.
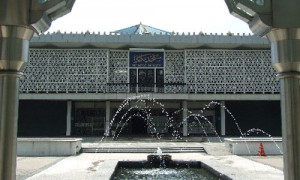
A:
19,20
278,20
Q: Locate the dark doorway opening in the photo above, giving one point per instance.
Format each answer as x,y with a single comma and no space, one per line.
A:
146,80
139,125
138,121
130,122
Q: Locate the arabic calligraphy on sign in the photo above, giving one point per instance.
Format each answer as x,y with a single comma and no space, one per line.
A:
146,59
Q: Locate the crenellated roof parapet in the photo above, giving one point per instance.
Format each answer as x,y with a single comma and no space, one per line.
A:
171,41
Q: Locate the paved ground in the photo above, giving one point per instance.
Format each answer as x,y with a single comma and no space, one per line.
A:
28,166
102,165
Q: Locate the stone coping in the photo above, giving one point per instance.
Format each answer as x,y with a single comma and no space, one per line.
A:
50,139
276,139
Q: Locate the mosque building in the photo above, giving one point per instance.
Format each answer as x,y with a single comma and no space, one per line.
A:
142,80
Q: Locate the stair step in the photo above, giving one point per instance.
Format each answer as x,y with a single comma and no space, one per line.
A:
143,150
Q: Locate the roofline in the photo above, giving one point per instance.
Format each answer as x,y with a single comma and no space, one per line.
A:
126,41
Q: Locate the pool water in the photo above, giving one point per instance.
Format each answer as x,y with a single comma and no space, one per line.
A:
129,173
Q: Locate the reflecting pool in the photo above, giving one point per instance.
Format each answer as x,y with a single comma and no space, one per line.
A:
164,173
173,171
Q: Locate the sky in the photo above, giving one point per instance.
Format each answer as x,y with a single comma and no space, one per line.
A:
208,16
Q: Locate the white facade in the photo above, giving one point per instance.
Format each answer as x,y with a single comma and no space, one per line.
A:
92,73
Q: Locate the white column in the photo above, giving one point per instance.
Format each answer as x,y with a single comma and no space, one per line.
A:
223,122
184,120
69,111
107,117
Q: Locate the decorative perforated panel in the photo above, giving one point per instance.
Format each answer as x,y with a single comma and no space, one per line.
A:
65,71
186,71
118,71
174,71
230,71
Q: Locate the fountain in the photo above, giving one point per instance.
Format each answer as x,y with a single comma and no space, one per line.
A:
171,125
159,163
194,171
205,125
159,159
176,170
161,166
126,117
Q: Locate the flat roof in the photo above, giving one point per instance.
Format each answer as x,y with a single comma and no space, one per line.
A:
163,41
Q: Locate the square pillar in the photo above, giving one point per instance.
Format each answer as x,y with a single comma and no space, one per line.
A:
69,112
107,118
184,120
223,116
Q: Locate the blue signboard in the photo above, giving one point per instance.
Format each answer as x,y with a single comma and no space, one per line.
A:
146,59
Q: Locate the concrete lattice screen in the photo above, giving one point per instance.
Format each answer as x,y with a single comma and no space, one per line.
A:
186,71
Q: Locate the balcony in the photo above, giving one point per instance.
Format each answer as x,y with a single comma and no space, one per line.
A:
185,88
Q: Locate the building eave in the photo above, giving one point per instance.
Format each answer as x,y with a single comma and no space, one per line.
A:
125,41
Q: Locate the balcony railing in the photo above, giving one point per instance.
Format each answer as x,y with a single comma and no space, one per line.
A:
196,88
142,88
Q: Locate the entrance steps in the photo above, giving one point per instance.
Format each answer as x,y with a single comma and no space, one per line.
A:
142,149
